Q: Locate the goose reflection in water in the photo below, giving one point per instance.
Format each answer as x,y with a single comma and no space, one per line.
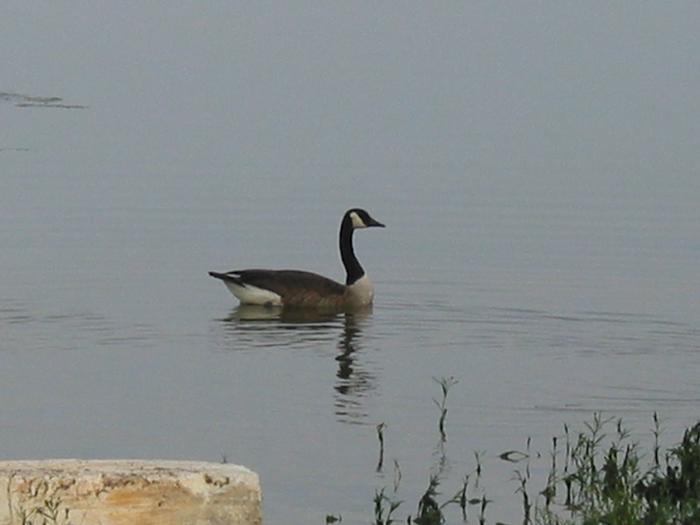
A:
266,327
354,380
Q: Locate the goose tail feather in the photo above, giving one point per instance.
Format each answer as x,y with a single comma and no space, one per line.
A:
227,277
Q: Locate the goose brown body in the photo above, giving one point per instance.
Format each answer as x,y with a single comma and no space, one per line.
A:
296,288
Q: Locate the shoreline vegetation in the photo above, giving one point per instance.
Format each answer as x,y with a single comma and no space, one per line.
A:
597,475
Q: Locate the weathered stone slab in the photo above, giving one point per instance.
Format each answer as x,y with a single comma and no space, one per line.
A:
128,492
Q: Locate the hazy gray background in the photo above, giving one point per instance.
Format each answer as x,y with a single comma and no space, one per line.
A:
536,164
548,97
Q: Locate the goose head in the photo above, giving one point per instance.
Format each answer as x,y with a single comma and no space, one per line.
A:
359,219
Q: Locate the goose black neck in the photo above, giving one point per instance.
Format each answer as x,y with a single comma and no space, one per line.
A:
353,269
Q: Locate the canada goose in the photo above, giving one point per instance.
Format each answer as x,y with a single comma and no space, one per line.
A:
297,288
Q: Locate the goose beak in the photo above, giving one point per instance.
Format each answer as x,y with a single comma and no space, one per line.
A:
376,224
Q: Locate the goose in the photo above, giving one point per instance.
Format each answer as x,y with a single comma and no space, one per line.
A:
296,288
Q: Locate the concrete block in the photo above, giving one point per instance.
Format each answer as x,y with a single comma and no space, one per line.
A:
128,492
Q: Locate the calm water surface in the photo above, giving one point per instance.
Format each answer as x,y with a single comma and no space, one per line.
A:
115,342
550,288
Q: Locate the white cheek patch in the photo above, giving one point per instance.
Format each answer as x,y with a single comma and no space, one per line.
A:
357,222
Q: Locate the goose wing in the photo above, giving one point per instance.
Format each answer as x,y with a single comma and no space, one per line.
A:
295,287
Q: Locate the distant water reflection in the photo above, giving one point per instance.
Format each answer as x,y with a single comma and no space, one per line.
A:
250,327
22,100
